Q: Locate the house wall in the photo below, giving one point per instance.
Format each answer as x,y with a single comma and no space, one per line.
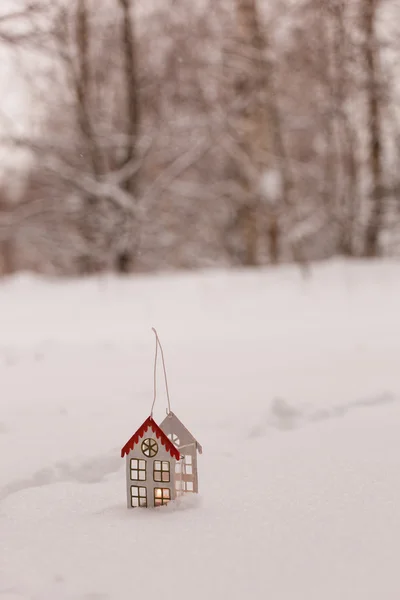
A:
169,426
150,484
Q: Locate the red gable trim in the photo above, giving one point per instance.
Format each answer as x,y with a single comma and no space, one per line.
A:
160,435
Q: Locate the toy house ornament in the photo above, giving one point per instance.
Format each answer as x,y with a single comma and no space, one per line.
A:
151,460
161,461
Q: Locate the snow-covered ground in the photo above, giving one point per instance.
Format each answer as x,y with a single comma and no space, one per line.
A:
291,385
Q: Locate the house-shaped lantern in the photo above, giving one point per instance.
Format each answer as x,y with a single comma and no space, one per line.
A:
156,470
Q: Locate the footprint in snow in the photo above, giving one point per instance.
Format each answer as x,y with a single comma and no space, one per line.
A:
90,471
284,416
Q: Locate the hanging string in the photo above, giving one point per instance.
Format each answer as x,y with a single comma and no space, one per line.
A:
158,344
155,377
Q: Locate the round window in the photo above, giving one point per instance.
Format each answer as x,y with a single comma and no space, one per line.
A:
149,447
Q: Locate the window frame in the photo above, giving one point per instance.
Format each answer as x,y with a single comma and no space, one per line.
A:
151,447
139,497
176,442
161,471
164,499
182,486
138,469
185,466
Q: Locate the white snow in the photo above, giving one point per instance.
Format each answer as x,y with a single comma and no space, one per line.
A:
291,385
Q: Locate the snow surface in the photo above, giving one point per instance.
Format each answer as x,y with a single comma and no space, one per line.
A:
292,386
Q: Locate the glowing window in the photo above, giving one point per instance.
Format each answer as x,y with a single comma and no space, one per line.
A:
161,496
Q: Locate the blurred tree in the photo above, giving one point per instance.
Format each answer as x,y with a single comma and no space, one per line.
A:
249,127
369,15
191,134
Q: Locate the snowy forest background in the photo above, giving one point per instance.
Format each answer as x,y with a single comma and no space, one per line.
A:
140,135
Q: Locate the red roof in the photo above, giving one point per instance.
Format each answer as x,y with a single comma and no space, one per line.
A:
160,435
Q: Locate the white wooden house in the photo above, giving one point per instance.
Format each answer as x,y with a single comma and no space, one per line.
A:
151,460
161,463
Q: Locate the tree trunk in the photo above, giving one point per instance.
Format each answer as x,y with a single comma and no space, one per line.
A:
251,115
371,55
125,256
82,81
131,93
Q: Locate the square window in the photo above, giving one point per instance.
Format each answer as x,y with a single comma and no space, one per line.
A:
161,496
189,486
188,470
188,459
138,496
138,470
162,471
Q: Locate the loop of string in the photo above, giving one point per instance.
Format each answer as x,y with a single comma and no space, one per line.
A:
158,345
